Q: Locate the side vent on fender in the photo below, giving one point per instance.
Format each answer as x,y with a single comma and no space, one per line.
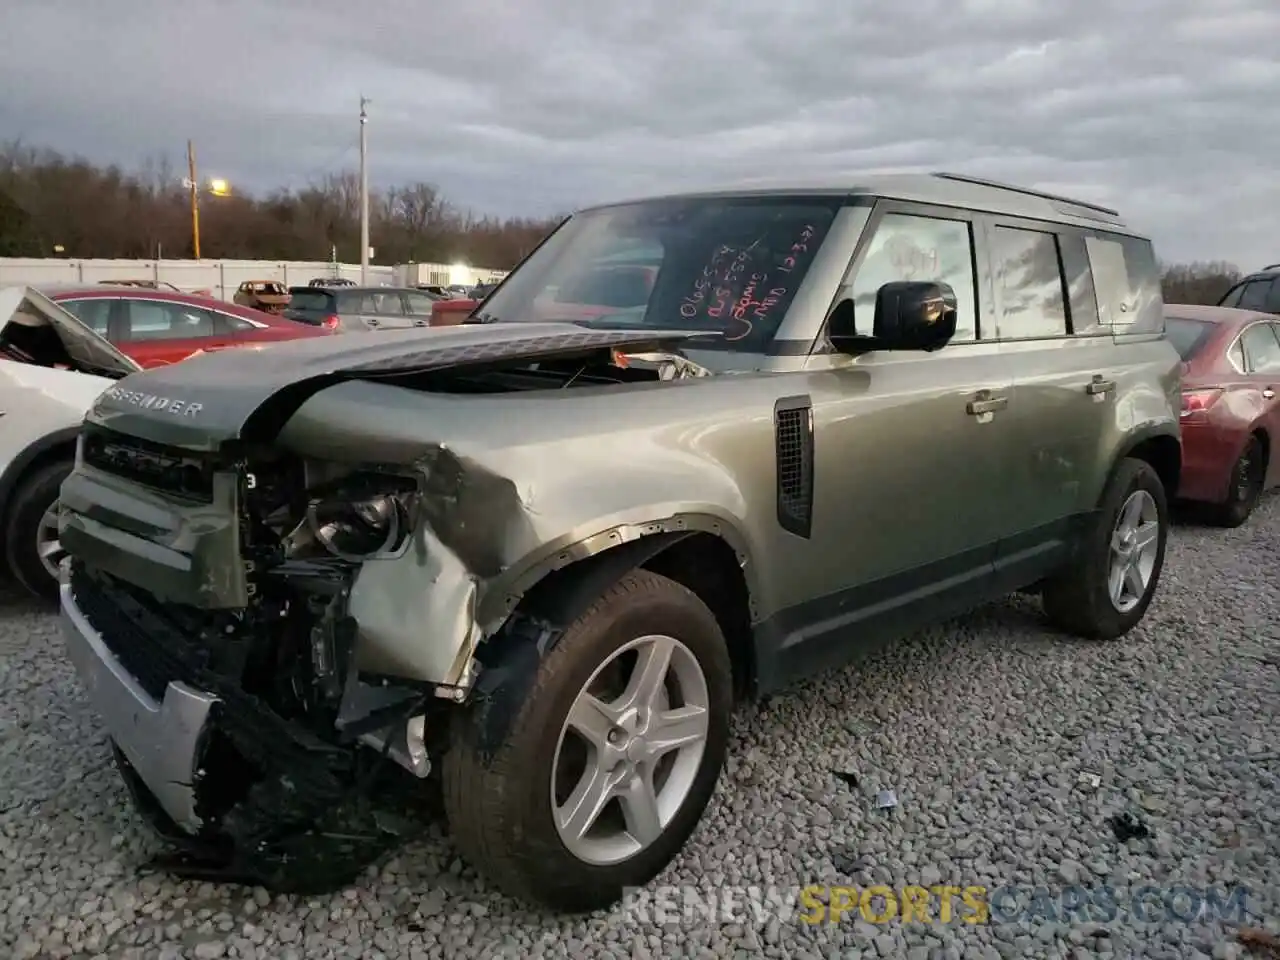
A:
793,451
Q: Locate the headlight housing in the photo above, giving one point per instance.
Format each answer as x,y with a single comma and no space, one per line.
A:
360,518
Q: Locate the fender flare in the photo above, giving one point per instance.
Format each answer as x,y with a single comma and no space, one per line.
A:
561,583
17,468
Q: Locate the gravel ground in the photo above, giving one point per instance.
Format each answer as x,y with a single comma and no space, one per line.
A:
988,731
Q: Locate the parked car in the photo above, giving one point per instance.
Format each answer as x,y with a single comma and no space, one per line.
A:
361,309
269,296
437,290
544,556
145,284
52,368
1230,412
1257,291
156,328
331,282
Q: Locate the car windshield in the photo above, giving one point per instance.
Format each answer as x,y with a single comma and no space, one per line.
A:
1187,336
729,267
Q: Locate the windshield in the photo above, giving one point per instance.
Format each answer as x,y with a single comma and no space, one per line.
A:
1187,336
729,267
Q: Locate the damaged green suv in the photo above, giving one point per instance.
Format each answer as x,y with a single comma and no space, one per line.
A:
694,448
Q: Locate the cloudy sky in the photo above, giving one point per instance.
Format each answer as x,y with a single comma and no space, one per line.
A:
1163,108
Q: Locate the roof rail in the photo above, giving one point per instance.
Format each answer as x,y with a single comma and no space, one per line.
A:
978,181
1270,266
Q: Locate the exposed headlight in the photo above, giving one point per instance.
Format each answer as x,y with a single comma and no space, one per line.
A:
359,529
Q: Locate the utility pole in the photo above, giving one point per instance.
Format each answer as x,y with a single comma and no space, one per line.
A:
364,195
195,198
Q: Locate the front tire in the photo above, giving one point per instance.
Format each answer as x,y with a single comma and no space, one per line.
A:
1248,476
32,548
1109,584
585,769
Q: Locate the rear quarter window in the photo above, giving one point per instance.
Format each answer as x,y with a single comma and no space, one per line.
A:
311,300
1126,280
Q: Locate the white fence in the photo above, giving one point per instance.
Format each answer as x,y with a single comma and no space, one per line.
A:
218,278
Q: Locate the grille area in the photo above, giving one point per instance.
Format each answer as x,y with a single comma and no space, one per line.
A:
793,443
173,471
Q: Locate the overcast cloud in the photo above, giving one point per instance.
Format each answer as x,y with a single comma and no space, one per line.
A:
1163,108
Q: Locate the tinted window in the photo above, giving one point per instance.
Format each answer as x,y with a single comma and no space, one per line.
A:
1081,298
155,320
420,304
1029,278
94,314
730,266
1187,336
226,323
1232,299
305,299
907,247
1261,349
1126,281
1255,295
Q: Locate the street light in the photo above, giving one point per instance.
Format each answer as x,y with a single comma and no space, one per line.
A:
216,187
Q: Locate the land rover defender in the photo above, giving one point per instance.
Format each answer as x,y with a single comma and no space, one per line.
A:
694,448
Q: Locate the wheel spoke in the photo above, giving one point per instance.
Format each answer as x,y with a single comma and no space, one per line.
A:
1132,513
1115,583
592,718
639,802
677,728
1146,535
1133,580
583,807
650,674
49,549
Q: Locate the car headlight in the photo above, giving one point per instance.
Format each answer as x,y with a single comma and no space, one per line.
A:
357,530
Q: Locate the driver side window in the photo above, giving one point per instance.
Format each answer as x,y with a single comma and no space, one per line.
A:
911,247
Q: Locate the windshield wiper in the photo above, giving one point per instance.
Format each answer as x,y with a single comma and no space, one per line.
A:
481,318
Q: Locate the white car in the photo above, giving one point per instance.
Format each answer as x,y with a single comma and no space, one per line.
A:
52,368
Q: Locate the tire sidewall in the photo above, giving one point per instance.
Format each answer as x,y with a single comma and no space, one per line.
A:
32,499
1238,509
1130,477
673,611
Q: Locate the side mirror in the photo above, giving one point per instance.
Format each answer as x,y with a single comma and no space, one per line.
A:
914,315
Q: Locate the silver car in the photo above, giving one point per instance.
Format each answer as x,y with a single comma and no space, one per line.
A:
361,309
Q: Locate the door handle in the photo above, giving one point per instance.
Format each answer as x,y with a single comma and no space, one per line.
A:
985,404
1099,386
1268,394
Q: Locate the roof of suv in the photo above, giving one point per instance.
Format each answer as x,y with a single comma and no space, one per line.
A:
941,189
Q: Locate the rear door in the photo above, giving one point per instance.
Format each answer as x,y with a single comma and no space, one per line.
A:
1261,345
159,332
419,307
1063,364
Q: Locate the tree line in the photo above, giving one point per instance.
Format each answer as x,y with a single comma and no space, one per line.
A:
54,205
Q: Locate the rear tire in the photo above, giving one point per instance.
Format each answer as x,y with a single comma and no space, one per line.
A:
1125,546
1248,476
29,543
510,777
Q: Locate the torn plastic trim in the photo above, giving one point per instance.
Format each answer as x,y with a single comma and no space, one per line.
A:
419,618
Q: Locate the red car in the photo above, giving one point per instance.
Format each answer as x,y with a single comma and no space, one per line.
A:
1230,410
157,327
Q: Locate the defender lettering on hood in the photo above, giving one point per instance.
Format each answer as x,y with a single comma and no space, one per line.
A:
150,401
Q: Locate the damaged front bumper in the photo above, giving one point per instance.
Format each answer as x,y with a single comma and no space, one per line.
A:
245,793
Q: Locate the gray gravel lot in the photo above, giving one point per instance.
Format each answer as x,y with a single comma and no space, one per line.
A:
984,729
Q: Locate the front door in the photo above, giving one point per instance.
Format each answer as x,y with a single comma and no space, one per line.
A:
911,460
160,332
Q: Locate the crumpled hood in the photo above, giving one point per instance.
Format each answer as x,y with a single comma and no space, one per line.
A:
211,398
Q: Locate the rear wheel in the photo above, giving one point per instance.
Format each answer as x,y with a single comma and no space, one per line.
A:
585,770
1109,585
32,548
1247,479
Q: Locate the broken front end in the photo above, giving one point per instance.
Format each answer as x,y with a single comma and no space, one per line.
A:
208,609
